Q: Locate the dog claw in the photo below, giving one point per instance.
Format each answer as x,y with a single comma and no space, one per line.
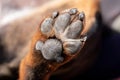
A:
81,16
73,11
55,14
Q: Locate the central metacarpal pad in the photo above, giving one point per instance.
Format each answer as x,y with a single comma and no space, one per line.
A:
52,49
66,28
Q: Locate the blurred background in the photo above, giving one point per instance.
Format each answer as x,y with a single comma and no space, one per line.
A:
11,9
15,36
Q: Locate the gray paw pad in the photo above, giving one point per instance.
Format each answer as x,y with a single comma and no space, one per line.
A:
52,49
61,23
39,45
59,59
72,46
47,26
74,30
73,11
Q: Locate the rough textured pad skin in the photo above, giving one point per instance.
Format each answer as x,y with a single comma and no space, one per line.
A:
74,30
61,23
52,49
46,26
39,45
72,46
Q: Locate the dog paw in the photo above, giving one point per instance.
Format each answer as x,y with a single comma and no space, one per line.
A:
63,32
